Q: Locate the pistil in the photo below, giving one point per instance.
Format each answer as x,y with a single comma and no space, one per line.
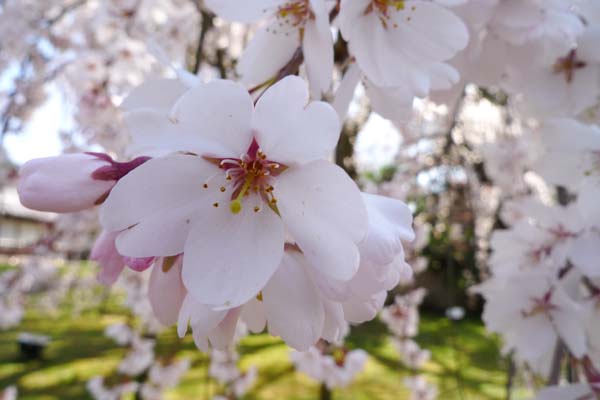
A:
236,204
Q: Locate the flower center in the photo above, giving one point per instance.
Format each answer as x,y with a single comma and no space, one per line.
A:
568,65
253,172
296,13
382,8
540,305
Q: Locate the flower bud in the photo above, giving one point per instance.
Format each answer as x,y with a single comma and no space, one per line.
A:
63,183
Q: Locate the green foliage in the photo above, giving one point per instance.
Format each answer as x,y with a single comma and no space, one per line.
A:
465,363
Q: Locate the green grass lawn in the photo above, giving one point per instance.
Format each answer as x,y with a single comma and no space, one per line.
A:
465,364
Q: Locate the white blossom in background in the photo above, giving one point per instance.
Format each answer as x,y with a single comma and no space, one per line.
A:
97,389
402,319
335,370
225,370
420,388
163,377
289,25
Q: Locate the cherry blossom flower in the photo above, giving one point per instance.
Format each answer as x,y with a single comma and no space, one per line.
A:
395,42
559,82
520,22
402,317
301,304
532,311
411,354
238,186
290,24
572,153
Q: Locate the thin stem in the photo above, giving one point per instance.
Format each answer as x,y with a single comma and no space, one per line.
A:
512,370
325,393
559,352
206,25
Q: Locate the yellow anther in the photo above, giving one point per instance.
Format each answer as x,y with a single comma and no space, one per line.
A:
222,188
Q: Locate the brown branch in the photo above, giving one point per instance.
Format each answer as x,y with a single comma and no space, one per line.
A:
205,26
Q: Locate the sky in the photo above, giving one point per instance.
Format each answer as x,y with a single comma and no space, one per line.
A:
40,136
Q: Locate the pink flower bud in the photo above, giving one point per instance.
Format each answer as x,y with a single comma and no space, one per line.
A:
71,182
63,184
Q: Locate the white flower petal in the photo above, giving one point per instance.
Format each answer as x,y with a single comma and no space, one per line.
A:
219,111
153,204
243,11
230,257
253,315
345,92
153,134
222,336
587,202
335,324
293,305
166,292
358,312
157,94
584,254
267,53
317,46
201,317
323,211
290,131
390,222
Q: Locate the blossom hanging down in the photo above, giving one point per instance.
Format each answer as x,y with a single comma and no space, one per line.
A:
397,43
401,49
300,303
290,24
228,200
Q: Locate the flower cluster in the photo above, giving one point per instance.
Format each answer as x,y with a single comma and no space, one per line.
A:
239,213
